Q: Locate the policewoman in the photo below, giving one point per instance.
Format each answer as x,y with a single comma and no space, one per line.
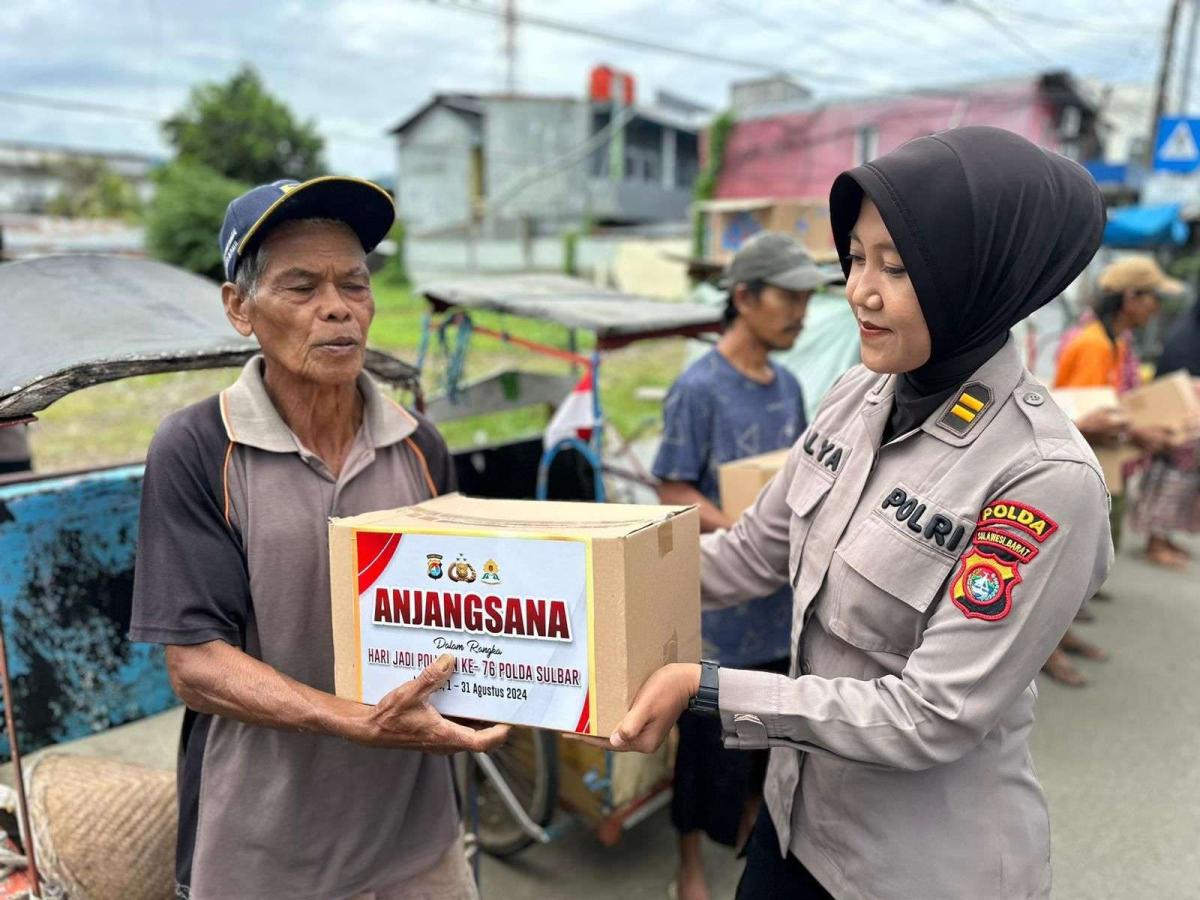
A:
940,523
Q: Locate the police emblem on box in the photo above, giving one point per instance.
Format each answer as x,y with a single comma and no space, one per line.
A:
461,570
435,565
491,572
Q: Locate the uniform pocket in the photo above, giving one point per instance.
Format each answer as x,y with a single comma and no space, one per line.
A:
883,585
804,496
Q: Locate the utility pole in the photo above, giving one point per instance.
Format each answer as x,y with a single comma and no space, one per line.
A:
1164,72
1189,59
510,46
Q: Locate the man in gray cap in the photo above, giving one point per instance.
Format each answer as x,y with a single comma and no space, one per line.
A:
731,403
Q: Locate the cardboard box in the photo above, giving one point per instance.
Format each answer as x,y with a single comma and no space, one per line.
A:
556,612
728,223
1079,402
742,480
1167,401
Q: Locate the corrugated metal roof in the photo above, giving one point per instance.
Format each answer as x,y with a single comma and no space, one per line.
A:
75,321
574,303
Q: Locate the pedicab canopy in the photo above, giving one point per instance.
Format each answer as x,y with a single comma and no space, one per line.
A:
79,320
616,318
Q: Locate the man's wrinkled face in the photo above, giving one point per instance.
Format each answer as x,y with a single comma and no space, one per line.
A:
313,305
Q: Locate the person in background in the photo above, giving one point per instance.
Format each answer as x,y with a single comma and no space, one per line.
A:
731,403
1100,353
1169,497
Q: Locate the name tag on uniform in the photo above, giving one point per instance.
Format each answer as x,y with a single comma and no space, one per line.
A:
924,521
824,452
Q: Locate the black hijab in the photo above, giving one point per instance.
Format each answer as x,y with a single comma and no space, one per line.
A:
990,228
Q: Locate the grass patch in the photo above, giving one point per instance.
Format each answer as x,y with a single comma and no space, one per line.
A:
113,423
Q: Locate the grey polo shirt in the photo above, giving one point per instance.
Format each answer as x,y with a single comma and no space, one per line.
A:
233,547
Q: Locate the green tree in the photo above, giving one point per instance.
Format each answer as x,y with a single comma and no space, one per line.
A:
706,183
240,131
184,222
92,190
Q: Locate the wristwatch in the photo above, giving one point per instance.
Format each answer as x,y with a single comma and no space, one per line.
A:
705,702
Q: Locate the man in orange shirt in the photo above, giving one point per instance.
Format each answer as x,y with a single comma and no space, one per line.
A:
1100,354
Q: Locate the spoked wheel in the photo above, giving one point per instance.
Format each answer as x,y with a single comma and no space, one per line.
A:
528,766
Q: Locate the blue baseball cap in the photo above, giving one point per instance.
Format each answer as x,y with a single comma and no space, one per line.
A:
364,206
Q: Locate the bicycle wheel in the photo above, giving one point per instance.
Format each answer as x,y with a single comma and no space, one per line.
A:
528,762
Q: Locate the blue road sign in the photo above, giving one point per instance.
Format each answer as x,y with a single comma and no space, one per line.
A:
1177,145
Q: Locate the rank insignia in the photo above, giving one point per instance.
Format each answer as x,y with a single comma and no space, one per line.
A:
972,401
1006,537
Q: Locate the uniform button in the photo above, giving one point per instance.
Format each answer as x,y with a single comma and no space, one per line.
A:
1033,398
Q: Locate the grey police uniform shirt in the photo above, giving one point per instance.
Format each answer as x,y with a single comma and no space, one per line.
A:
233,546
931,580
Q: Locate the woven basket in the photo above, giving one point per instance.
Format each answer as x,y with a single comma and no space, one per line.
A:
103,830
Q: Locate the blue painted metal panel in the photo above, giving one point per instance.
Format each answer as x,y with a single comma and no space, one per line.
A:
66,580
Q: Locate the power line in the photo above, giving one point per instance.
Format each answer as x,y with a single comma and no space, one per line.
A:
564,27
770,23
143,115
944,53
1040,18
1014,37
123,112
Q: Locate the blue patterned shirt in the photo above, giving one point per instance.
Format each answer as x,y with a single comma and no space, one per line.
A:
714,414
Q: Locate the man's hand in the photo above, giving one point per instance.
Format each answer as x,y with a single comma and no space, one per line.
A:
1102,425
1152,438
406,720
656,708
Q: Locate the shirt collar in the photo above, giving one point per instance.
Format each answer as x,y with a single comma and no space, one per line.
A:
251,418
883,390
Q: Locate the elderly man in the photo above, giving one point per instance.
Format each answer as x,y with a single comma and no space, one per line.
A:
286,791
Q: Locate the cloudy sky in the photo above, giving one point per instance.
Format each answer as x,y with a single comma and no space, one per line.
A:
357,67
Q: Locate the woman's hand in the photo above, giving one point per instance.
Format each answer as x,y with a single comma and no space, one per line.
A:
656,708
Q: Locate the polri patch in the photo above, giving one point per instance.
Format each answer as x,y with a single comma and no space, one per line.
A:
922,520
991,568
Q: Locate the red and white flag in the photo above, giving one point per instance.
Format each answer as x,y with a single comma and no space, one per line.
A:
575,416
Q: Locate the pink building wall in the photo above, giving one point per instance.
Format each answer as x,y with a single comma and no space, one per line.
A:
799,155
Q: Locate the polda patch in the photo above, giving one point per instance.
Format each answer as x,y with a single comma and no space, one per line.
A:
990,570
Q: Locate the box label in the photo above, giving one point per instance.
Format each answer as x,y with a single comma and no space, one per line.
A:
515,612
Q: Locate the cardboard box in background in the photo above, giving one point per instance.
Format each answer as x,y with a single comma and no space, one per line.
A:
728,223
742,480
1077,403
1167,401
556,612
